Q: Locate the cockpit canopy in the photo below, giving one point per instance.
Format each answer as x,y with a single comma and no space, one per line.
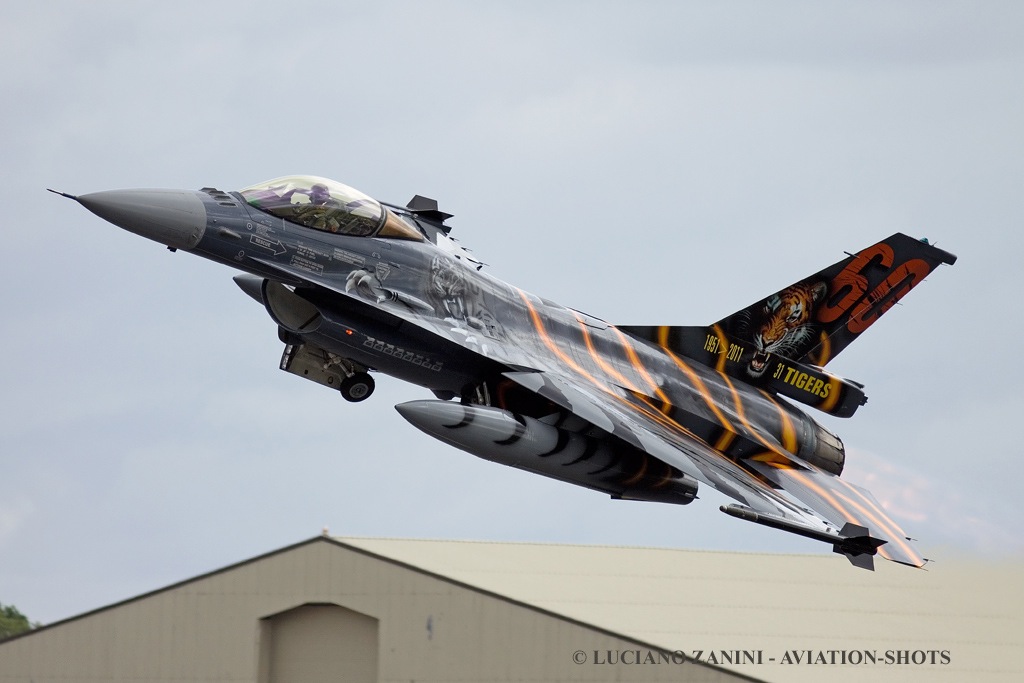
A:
318,203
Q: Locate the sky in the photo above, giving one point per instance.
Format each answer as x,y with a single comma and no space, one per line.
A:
645,162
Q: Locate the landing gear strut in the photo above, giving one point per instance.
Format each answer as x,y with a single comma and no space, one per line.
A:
356,385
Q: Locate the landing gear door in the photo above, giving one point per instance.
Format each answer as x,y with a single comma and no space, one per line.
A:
313,363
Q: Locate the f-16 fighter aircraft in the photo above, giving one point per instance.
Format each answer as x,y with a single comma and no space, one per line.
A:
639,413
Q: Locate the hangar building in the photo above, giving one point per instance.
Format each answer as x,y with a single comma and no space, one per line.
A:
360,609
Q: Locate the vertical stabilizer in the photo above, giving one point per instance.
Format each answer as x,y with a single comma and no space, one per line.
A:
782,342
814,319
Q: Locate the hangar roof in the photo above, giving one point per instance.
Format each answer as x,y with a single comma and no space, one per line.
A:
769,603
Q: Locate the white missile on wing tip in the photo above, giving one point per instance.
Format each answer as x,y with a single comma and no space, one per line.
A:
533,445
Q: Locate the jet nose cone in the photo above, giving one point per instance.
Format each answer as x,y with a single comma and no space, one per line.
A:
176,218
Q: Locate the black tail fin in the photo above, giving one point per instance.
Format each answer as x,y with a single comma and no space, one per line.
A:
813,320
781,342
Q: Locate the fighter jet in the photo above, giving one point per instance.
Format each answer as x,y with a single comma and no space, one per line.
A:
358,286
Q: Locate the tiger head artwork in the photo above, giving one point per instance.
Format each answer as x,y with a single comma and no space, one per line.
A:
784,324
452,300
447,288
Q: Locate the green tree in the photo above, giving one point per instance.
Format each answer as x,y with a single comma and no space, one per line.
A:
13,622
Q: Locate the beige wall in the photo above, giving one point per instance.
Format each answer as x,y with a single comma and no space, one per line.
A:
214,628
319,644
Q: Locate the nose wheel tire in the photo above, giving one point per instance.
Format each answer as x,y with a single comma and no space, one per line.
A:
357,387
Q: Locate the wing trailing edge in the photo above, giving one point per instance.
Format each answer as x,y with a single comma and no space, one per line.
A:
782,493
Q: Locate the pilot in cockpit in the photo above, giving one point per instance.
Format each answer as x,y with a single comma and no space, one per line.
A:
317,203
323,211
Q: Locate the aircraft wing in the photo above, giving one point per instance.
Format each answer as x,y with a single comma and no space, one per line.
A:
775,489
842,503
780,491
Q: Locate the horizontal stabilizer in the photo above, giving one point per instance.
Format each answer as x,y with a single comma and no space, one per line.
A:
804,383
